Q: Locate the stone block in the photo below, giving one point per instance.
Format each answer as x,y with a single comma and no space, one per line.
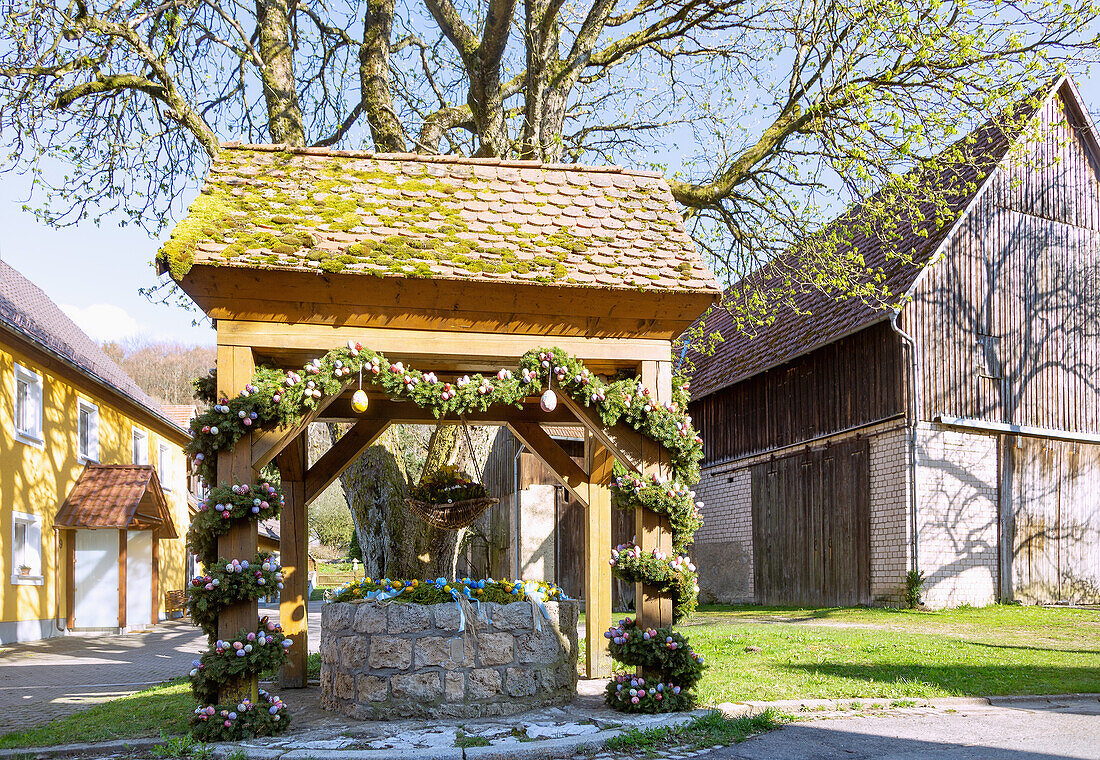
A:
456,686
446,616
408,617
539,647
353,652
516,615
343,685
484,683
370,618
390,652
495,649
446,651
520,682
337,616
373,688
329,647
423,687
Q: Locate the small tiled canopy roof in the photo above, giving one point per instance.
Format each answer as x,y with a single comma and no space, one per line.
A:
117,496
820,318
406,215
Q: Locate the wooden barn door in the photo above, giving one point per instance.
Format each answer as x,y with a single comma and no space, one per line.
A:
1054,497
811,527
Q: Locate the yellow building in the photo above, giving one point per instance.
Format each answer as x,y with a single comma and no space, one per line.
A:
93,484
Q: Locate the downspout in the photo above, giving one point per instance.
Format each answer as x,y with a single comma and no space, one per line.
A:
913,414
515,507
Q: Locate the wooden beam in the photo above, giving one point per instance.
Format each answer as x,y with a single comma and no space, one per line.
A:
434,345
342,453
70,579
267,445
235,370
651,530
293,555
408,413
624,442
156,578
122,578
568,472
597,548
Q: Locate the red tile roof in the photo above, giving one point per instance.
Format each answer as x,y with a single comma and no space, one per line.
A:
405,215
116,496
28,311
180,414
819,318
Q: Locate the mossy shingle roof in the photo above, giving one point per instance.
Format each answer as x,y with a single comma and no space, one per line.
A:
436,216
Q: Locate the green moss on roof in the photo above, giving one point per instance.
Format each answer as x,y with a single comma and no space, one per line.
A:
282,210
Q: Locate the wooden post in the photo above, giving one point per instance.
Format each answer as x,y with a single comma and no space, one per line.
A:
156,578
293,555
597,551
235,369
654,610
122,578
69,537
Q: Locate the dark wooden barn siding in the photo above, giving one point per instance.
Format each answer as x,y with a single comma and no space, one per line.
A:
1008,323
855,381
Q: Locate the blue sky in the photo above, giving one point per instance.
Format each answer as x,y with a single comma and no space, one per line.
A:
94,272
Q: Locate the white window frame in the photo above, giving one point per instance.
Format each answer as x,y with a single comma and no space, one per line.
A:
92,454
33,381
164,457
33,542
136,434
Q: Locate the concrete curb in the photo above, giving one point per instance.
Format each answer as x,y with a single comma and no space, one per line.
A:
549,749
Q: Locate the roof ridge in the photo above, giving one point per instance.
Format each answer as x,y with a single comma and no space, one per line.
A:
512,163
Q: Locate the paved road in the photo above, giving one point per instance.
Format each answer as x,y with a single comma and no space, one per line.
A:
1039,730
48,679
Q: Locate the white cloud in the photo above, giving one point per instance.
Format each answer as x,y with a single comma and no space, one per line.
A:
103,321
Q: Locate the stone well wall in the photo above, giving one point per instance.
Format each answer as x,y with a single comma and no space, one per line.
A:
410,660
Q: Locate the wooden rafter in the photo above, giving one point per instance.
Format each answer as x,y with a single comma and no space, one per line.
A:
624,443
351,444
267,445
568,472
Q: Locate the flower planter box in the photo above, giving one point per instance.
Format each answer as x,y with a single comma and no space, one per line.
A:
401,660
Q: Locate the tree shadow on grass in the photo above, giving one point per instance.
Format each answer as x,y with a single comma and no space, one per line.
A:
901,680
1052,648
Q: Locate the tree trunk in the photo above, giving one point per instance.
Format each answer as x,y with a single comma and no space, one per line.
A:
374,77
284,114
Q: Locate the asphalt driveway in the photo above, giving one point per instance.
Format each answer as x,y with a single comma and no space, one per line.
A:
1010,729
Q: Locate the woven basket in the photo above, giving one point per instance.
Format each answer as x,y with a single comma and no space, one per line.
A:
459,514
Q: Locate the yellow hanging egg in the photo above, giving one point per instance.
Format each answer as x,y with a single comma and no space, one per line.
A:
359,401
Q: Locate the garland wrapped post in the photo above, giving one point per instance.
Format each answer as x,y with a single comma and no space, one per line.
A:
669,669
277,397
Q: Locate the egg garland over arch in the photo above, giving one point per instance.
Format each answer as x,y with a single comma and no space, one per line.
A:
276,397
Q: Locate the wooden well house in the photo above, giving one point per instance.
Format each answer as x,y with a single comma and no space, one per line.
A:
449,265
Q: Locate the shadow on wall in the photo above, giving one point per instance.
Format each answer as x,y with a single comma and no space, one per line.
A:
725,572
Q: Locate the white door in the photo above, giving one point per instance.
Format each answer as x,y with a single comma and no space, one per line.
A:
96,576
139,578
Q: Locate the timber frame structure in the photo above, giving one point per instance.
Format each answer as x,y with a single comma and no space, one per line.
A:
287,314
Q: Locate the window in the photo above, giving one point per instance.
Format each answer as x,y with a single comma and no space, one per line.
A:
26,550
164,466
87,432
28,406
141,447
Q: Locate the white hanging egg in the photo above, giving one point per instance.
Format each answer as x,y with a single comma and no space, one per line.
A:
359,401
549,401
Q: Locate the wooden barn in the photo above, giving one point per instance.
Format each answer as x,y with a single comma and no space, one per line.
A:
958,435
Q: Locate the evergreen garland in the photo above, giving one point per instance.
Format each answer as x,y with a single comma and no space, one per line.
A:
262,651
665,657
245,720
229,582
674,576
225,506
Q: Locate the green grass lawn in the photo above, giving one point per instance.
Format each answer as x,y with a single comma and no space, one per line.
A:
895,653
165,708
872,653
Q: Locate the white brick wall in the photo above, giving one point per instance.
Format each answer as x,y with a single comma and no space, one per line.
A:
957,516
890,523
723,546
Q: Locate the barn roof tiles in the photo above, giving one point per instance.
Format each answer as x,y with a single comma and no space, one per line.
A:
819,318
404,215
